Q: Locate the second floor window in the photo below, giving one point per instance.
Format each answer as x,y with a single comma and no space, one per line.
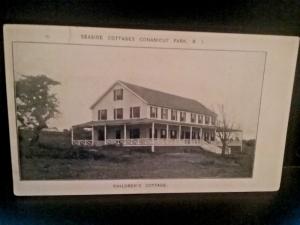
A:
118,94
193,118
118,114
134,112
164,113
102,114
174,115
213,120
182,116
200,118
153,112
206,119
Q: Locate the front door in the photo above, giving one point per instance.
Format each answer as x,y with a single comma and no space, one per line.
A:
118,134
187,135
100,135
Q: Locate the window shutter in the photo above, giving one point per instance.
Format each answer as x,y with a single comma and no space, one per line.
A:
131,112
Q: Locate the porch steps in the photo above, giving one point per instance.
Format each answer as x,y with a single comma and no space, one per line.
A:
210,147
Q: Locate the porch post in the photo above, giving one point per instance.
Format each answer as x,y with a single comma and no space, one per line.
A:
105,134
179,132
167,130
93,136
152,131
200,133
72,135
241,141
191,130
125,135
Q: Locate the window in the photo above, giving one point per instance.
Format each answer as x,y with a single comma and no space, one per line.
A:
193,118
118,114
163,133
200,118
118,94
100,135
182,116
206,119
135,112
164,113
193,135
213,120
173,114
182,134
102,114
155,133
173,134
153,112
199,135
212,137
134,133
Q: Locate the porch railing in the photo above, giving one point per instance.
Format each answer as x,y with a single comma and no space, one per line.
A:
83,142
148,142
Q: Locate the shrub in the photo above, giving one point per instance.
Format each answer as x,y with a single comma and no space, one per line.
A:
98,155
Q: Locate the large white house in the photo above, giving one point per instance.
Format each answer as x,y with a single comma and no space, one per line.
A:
131,115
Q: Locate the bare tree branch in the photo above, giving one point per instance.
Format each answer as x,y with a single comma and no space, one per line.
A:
224,129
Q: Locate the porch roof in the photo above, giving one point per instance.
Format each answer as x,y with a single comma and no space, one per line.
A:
221,129
136,121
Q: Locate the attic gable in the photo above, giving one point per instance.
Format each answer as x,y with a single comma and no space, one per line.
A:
111,88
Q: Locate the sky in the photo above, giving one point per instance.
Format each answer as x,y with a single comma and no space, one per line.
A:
231,78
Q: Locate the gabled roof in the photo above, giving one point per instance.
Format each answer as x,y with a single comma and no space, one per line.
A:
162,99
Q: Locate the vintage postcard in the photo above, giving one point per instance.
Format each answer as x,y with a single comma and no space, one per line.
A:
120,111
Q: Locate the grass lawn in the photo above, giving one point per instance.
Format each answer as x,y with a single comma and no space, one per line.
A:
126,163
55,158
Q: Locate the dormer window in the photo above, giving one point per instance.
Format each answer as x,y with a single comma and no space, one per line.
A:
118,94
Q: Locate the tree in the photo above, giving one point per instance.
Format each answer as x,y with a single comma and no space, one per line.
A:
224,129
35,103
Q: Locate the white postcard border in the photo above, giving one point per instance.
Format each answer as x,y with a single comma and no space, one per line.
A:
274,112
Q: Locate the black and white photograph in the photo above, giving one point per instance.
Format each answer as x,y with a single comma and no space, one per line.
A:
136,107
123,113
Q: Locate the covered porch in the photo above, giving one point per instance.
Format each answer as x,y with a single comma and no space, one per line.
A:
143,132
